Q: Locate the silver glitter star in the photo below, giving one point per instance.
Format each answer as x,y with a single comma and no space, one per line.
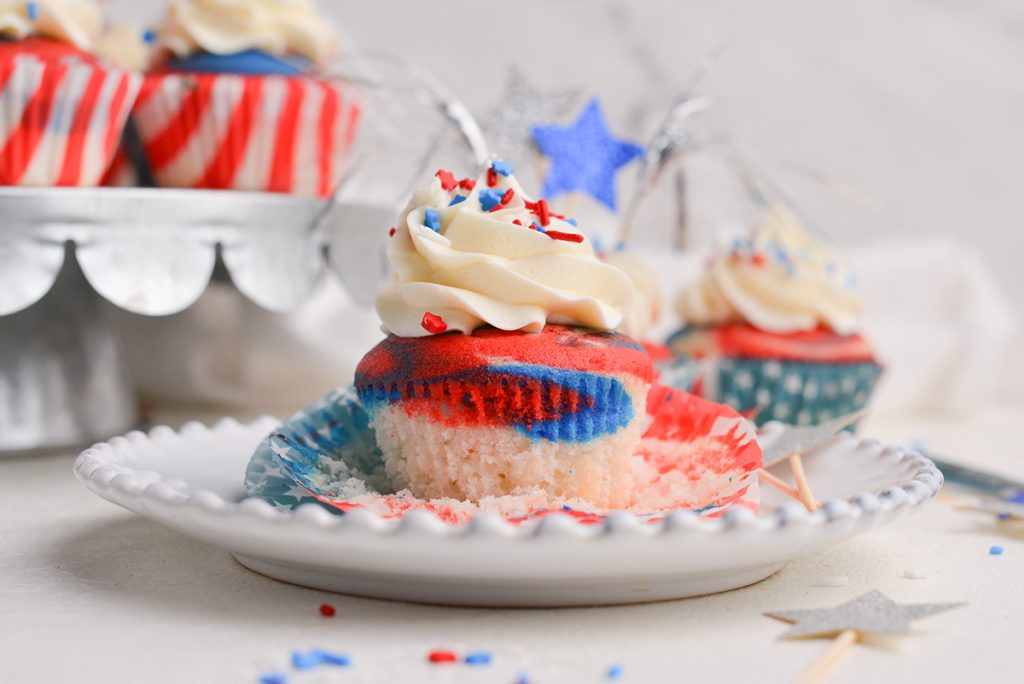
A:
508,124
803,439
873,612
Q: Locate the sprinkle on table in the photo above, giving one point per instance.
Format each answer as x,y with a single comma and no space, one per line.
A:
478,658
614,672
327,610
391,232
273,678
995,551
441,657
433,324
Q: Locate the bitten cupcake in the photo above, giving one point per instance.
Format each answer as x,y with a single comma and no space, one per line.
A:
501,373
236,99
62,109
772,328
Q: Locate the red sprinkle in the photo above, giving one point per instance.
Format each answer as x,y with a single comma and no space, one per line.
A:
467,184
507,197
492,177
542,213
442,657
391,233
433,324
327,610
757,259
447,179
517,222
567,237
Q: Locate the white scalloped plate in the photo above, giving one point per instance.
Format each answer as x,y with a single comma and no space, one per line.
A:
192,481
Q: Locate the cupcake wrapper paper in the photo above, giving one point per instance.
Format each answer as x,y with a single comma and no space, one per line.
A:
797,392
61,119
285,134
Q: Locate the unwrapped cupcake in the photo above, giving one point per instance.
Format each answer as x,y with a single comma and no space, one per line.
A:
62,109
237,99
501,373
771,328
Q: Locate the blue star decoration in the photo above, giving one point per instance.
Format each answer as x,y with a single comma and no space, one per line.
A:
584,156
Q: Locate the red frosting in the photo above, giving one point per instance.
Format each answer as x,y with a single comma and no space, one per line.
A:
745,341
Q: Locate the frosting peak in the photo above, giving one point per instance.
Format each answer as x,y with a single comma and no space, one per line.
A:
778,280
277,27
468,254
76,22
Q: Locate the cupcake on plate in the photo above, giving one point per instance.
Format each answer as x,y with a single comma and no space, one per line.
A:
501,373
62,109
237,99
771,328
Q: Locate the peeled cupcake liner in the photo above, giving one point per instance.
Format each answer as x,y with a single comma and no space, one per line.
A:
288,134
796,392
62,118
695,455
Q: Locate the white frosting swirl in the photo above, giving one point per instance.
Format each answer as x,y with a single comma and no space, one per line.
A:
277,27
647,303
123,44
76,22
481,268
778,280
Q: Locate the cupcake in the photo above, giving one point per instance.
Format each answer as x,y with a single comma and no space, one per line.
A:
501,373
771,328
236,99
63,109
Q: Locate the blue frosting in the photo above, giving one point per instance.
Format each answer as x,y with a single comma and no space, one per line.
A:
249,62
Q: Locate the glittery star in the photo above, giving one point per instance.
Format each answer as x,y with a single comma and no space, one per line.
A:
507,125
584,156
803,439
873,613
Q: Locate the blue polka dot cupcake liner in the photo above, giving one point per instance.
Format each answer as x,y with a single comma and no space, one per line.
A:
796,392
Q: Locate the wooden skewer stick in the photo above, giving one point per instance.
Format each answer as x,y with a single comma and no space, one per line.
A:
779,484
819,671
802,486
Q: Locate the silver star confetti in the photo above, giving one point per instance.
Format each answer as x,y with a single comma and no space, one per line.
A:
803,439
873,612
508,124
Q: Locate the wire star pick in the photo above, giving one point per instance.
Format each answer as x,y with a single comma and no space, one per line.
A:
507,125
870,613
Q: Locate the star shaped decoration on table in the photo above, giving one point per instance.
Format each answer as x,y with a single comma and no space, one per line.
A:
507,125
584,156
870,613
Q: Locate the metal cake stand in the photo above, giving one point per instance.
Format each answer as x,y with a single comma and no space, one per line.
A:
68,254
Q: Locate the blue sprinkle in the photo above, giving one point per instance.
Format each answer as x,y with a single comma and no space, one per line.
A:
329,658
273,678
431,220
537,227
620,246
995,551
1016,497
456,200
523,679
1003,516
614,672
306,661
149,36
851,281
573,222
479,658
502,168
566,508
490,198
32,10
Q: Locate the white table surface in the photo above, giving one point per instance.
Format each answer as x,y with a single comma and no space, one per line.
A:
92,593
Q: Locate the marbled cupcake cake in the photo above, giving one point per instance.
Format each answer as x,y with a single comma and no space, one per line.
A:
502,373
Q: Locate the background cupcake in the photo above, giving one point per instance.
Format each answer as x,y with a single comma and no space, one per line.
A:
236,99
520,384
62,109
771,328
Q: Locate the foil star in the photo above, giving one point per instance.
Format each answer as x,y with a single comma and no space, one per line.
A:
871,613
584,156
508,124
801,439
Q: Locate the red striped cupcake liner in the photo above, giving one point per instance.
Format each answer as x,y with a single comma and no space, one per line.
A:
62,112
287,134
